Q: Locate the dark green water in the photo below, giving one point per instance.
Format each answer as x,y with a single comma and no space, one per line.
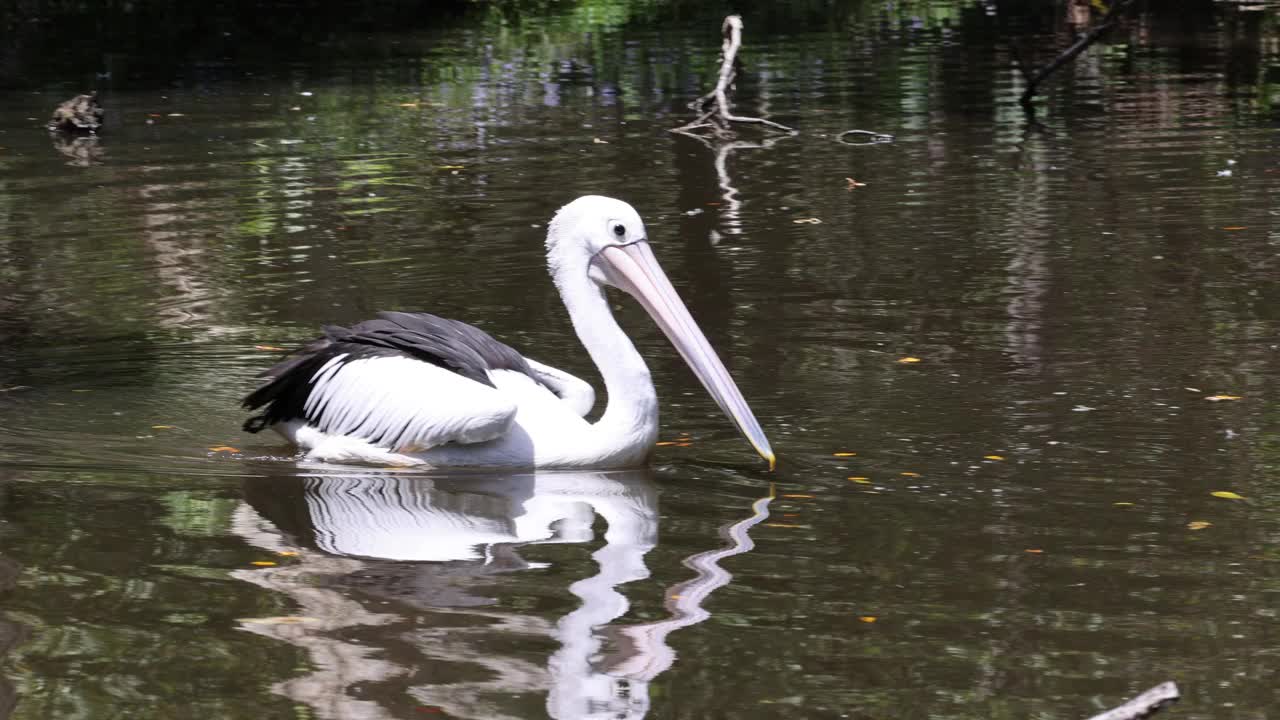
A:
1013,538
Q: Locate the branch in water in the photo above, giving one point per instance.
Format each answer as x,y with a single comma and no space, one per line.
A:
715,110
1145,705
1079,46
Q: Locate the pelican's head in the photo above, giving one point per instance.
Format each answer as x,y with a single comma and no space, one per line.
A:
603,240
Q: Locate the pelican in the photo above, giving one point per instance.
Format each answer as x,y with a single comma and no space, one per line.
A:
417,389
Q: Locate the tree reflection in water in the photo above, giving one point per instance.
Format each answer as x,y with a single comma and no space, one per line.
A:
424,550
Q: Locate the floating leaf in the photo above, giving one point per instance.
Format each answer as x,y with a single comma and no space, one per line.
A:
861,480
867,618
224,448
1034,551
807,221
1219,398
1123,504
992,457
268,348
798,496
908,360
408,105
1226,495
263,563
451,167
1236,227
1198,525
844,454
909,474
1191,389
161,427
664,443
287,553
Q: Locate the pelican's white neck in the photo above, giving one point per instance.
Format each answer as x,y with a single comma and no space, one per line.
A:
629,426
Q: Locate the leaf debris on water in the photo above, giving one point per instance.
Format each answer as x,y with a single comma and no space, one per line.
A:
861,480
1226,495
798,496
992,457
908,360
1123,504
1034,551
1198,524
162,427
224,448
263,563
909,474
844,453
867,618
268,348
807,221
1219,398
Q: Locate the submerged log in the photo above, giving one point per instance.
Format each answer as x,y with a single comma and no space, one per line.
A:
80,114
1145,705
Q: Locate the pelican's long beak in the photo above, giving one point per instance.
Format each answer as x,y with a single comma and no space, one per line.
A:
633,269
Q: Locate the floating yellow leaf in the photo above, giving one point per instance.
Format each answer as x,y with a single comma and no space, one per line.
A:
161,427
992,457
798,496
1034,551
1198,525
287,553
1226,495
408,105
451,167
1236,227
909,360
1219,398
664,443
844,454
909,474
861,480
263,563
223,448
268,348
867,618
674,597
1123,504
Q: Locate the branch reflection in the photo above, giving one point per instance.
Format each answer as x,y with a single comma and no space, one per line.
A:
391,576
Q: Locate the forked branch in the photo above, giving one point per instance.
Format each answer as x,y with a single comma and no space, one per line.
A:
715,109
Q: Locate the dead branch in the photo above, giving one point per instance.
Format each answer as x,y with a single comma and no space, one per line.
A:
1034,80
1145,705
715,110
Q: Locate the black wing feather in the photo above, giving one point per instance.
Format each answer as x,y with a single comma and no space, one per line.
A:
450,344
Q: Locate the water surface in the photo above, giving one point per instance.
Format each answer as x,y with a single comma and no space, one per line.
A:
1004,365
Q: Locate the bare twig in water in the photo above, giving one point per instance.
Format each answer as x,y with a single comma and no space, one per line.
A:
1035,79
1145,705
715,110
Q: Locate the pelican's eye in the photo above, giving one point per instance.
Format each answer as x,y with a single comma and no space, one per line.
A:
620,230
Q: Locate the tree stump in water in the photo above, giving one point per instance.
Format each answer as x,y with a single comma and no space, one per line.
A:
80,114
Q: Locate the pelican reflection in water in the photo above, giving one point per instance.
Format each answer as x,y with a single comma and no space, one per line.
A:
415,558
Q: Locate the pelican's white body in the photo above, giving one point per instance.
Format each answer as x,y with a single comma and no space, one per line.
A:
441,418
